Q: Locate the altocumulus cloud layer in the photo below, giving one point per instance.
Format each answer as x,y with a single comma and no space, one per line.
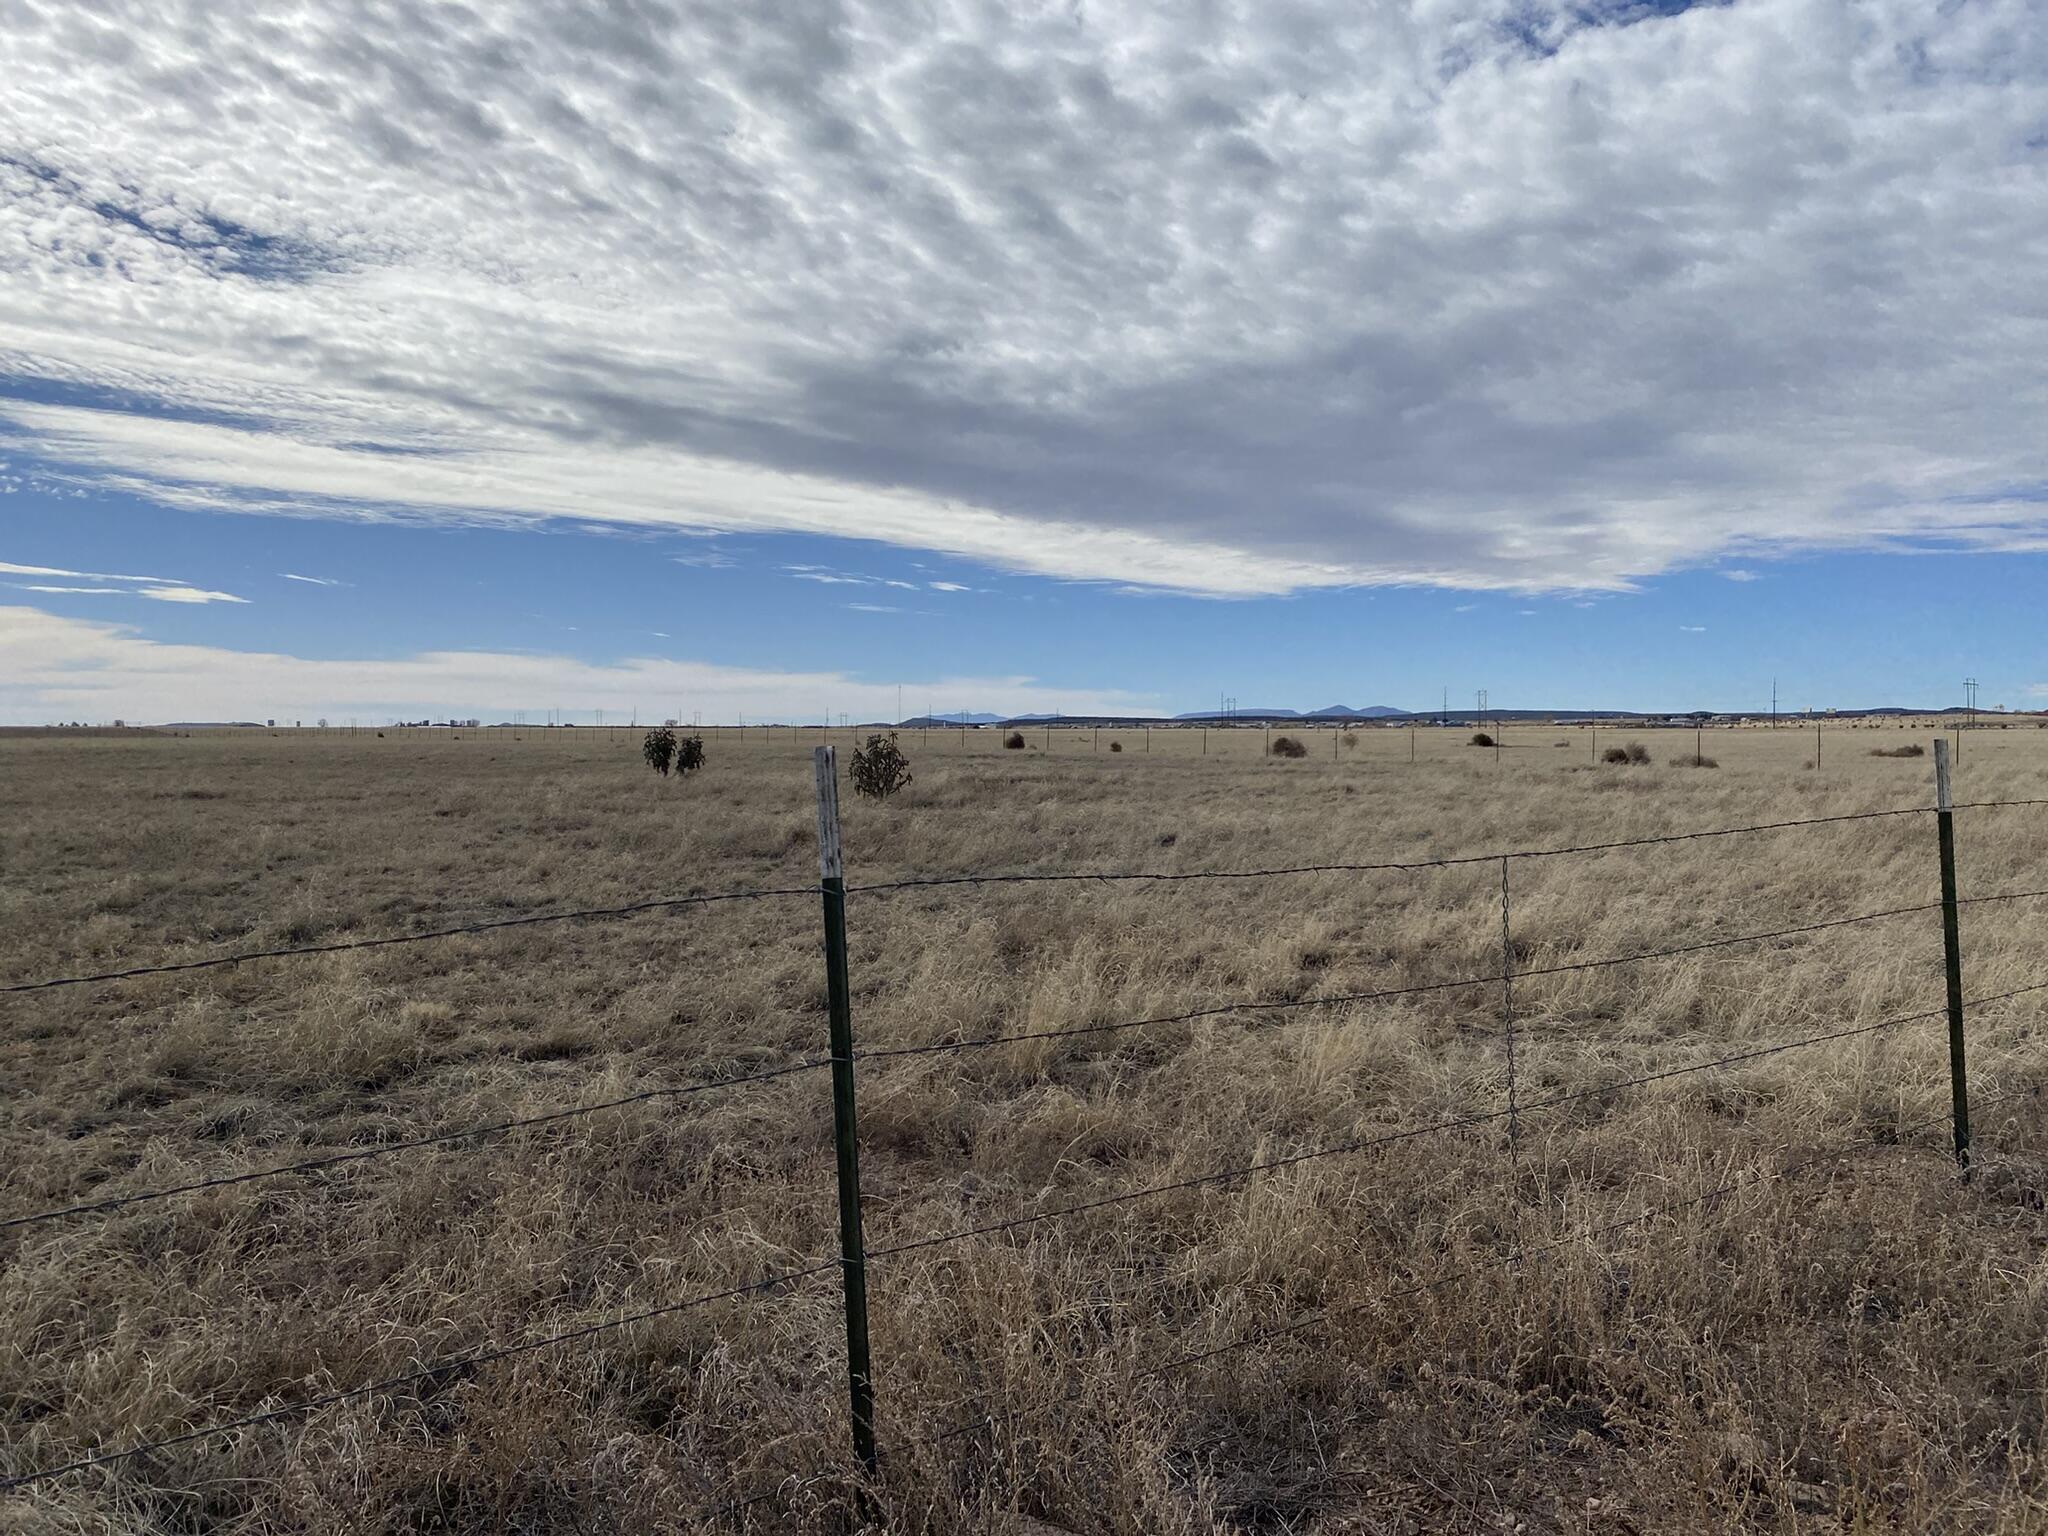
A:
1210,297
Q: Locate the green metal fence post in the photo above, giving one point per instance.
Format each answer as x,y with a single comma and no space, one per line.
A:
1952,944
853,1256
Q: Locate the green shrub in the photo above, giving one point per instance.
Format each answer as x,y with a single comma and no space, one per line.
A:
879,769
689,754
659,748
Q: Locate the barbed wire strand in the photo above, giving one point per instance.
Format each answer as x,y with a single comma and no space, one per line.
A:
673,903
1388,994
1400,866
1408,866
1894,1137
462,1362
411,1144
1391,1138
340,946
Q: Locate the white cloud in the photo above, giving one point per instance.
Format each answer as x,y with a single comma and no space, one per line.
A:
1510,294
56,667
873,608
312,581
1693,629
8,568
1739,575
29,586
188,595
948,586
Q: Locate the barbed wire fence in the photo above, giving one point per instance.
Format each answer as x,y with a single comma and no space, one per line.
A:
844,1057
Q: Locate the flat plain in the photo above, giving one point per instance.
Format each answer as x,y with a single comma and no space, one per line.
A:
1754,1296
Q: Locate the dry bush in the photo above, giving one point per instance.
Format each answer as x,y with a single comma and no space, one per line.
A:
1116,746
689,755
658,747
1695,760
879,769
1482,739
1014,742
1910,749
1287,746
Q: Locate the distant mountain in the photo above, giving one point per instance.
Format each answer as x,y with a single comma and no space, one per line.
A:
942,719
1346,712
1242,713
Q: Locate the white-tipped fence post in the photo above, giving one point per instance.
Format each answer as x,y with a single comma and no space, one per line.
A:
853,1256
1952,945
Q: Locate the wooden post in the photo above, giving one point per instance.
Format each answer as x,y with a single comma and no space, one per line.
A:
1952,945
845,1140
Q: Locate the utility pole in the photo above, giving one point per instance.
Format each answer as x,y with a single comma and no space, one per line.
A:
1970,698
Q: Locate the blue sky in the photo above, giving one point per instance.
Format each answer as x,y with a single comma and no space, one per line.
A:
1104,358
1834,630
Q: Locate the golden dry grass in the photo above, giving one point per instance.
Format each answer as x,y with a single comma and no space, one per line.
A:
1856,1347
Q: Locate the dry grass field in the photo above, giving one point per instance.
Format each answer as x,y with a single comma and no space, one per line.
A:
1860,1345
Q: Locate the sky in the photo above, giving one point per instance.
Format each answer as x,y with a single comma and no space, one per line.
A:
399,360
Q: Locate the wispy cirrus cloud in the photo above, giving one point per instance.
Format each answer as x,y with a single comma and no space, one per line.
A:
9,568
161,589
187,595
311,581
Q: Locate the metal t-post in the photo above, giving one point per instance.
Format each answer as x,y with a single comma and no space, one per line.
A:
853,1258
1952,946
